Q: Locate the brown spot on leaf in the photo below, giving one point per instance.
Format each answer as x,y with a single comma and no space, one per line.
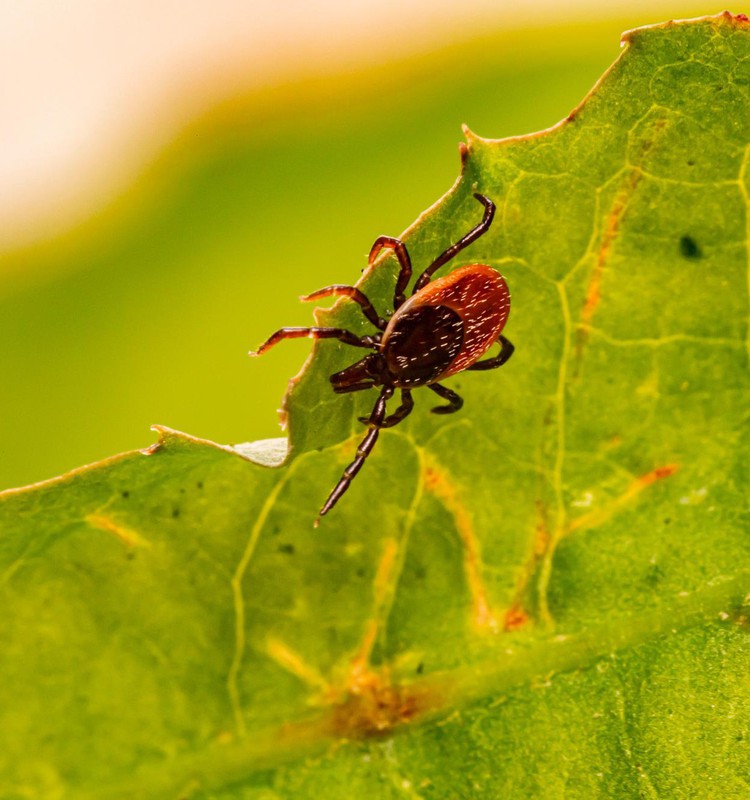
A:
595,518
377,706
515,619
463,153
657,474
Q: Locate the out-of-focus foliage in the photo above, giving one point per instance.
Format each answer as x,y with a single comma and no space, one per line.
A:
556,579
146,314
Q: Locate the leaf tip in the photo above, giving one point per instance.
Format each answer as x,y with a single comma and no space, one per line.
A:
471,137
469,147
158,444
168,436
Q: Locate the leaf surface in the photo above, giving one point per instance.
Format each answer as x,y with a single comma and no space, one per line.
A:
539,597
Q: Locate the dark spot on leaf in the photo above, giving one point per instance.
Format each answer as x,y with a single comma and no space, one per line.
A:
130,555
690,249
276,530
740,737
199,484
360,572
125,494
287,548
667,520
691,163
182,490
175,513
420,668
654,575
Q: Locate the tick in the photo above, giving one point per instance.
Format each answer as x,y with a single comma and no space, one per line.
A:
444,327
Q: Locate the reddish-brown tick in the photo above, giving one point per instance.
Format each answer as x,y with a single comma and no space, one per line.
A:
444,327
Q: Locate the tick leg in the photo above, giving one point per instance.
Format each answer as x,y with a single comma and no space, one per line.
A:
353,294
402,254
455,402
401,413
506,351
355,387
454,249
347,337
375,422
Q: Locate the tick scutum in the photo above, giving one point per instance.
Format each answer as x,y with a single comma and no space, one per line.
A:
421,344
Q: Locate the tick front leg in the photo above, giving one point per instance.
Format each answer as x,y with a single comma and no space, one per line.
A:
506,351
347,337
402,254
356,387
465,241
352,293
403,411
375,422
455,402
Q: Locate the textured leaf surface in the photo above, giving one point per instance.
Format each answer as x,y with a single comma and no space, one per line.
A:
539,597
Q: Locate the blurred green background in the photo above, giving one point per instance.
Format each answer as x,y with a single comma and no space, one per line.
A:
145,313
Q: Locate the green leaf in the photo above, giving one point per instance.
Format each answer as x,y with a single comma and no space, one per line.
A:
539,597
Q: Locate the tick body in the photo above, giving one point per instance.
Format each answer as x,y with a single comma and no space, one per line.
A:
444,327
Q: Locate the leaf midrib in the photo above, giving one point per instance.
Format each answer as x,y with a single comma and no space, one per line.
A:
507,664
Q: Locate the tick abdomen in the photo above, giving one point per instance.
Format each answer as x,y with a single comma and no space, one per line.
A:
447,326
